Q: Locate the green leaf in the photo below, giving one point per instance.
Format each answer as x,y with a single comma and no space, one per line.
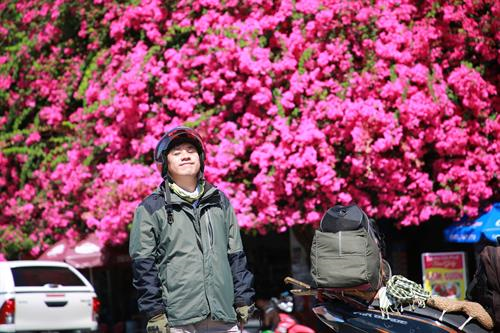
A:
468,64
404,95
397,114
306,55
451,95
430,85
394,75
277,101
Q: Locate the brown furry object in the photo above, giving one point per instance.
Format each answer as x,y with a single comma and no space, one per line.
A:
472,309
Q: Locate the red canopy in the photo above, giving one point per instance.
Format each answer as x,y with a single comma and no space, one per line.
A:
86,253
57,251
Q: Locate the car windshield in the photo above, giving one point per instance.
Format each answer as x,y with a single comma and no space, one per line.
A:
37,276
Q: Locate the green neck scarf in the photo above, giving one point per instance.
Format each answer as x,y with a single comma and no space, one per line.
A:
186,195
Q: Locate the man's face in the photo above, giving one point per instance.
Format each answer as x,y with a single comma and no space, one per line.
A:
183,160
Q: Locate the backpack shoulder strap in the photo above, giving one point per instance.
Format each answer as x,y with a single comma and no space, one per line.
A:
224,204
224,201
168,202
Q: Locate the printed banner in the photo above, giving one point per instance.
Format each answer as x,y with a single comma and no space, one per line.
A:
444,274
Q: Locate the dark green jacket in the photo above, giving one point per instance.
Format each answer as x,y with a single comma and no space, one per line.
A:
194,267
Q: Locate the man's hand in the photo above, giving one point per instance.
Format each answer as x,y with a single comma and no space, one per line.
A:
158,324
244,312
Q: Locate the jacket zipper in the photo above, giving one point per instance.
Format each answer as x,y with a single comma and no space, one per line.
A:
340,243
210,231
197,224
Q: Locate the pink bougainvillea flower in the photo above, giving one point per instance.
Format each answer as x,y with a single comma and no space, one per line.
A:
302,105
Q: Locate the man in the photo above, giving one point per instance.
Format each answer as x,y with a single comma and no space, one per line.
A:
187,257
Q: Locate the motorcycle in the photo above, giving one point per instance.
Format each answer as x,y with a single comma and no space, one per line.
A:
276,316
350,312
342,317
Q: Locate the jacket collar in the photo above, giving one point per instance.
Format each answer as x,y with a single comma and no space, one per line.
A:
210,191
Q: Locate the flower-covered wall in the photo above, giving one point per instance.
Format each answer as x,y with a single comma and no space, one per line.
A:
392,104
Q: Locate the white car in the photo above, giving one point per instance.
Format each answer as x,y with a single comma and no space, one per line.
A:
46,296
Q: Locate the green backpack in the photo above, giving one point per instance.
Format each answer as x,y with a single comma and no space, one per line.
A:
346,251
